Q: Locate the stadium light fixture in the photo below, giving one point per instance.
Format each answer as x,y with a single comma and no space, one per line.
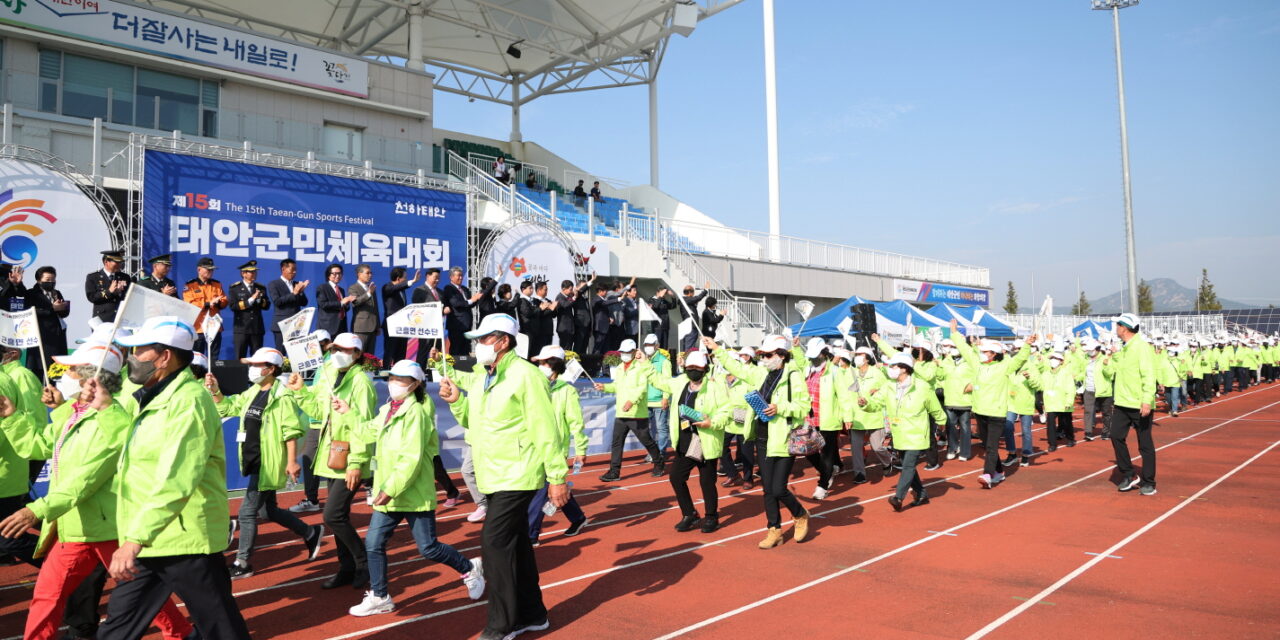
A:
513,51
1114,6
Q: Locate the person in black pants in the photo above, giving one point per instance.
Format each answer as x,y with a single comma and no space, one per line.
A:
1135,384
443,479
581,317
287,295
693,390
602,319
631,384
566,329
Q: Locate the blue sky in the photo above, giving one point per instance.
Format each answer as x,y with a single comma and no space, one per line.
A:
984,133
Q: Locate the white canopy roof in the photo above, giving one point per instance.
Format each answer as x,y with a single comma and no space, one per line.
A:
564,45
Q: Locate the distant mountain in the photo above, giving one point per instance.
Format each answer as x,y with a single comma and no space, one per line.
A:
1166,293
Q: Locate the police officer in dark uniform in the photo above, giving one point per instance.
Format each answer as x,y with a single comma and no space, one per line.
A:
107,288
159,280
248,301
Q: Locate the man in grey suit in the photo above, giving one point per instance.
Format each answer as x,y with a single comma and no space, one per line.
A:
364,317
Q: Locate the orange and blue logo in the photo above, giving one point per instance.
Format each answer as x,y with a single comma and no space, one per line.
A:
518,267
20,225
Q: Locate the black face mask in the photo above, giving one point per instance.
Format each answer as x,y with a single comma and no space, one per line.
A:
817,362
695,375
48,286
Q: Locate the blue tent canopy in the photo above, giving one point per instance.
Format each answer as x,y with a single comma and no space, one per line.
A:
826,324
1092,328
993,327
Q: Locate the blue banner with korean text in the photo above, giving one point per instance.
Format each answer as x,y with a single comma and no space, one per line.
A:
232,212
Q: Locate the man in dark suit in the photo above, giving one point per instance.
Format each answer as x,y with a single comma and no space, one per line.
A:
427,292
602,312
332,303
158,280
582,316
662,303
289,297
248,301
565,327
51,313
544,314
457,312
631,314
526,310
106,288
691,299
364,315
393,300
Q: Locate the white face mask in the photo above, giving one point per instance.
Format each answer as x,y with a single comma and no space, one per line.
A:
342,359
648,351
398,390
69,387
772,363
860,360
256,376
1054,364
546,371
626,357
485,354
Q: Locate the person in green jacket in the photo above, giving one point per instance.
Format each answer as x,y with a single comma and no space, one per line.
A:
659,402
991,396
346,381
267,450
828,395
738,430
1059,386
631,386
1135,389
1024,387
87,429
1168,378
171,483
1095,376
700,414
782,388
911,408
568,412
957,392
518,448
29,389
926,369
866,426
403,441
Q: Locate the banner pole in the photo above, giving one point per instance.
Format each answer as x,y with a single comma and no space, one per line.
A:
44,364
115,327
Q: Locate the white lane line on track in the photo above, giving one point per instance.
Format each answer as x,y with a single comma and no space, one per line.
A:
1030,602
911,545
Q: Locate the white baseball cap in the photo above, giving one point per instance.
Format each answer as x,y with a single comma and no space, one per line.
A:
903,359
748,352
627,346
867,351
93,354
408,369
651,339
1056,355
1127,320
843,354
947,342
815,347
773,343
695,359
494,323
322,335
349,341
550,351
990,345
265,355
170,331
199,360
102,333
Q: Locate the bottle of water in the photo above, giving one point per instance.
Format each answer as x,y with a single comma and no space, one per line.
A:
577,466
550,509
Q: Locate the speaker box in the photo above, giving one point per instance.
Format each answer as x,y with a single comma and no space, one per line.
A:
864,318
233,377
684,19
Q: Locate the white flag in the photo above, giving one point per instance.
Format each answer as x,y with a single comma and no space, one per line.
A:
18,329
141,303
685,328
804,308
422,320
212,327
297,325
304,353
1046,309
572,371
647,314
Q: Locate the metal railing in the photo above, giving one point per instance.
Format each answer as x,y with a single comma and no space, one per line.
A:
1062,325
505,195
519,171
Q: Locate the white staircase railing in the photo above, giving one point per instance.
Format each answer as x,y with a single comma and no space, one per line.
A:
506,195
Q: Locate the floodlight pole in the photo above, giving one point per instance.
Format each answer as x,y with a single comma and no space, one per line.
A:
417,15
771,133
653,130
1114,6
515,110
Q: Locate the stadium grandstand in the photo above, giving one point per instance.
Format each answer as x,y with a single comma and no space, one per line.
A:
144,77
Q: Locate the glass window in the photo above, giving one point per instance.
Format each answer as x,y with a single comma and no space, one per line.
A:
173,99
97,89
343,142
50,73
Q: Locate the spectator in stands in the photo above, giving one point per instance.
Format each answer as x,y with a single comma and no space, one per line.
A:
580,195
531,182
595,192
501,172
711,318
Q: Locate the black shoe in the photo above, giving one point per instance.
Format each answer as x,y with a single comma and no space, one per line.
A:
861,478
686,523
1071,443
240,571
1089,438
313,539
920,500
610,476
895,503
339,580
933,467
890,470
361,579
1010,459
710,524
659,470
1052,448
576,527
1025,462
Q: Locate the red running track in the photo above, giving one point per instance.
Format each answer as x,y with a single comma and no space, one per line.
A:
1199,559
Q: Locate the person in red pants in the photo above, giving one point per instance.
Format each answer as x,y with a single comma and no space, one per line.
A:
83,443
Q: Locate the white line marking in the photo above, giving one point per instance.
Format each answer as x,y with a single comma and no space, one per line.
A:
998,622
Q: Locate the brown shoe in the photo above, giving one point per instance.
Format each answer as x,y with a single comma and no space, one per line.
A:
772,539
731,482
801,530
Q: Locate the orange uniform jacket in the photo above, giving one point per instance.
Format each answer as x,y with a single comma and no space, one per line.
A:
202,295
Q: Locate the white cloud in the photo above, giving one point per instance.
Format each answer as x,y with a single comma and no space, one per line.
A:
1015,207
872,113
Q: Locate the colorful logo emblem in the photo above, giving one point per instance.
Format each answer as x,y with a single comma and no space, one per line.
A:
20,224
518,267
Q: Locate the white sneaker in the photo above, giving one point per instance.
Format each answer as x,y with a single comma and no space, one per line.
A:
951,456
474,580
986,481
819,493
372,605
997,478
477,515
537,626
